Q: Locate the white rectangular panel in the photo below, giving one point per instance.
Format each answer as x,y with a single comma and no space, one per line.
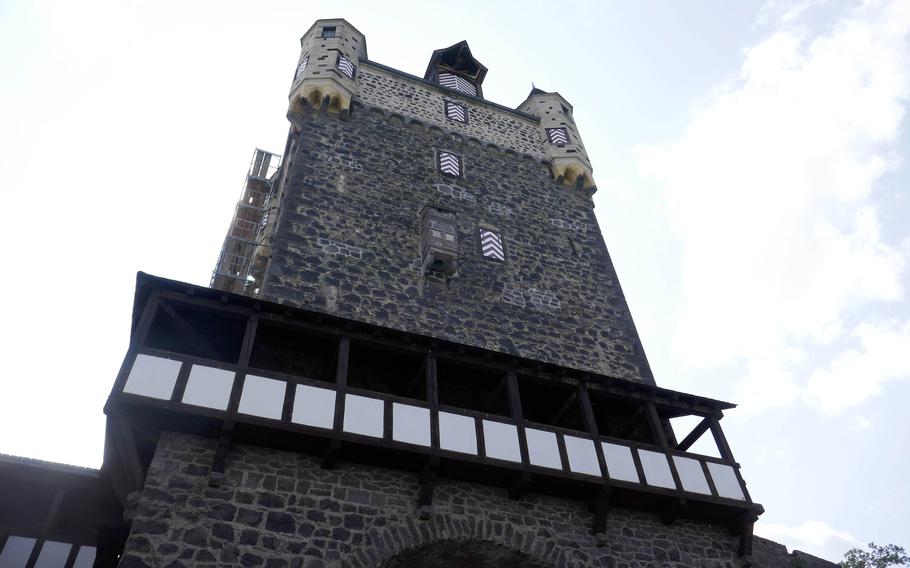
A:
501,441
16,552
543,449
363,415
620,462
457,433
691,475
314,406
725,481
153,377
53,554
656,468
582,455
411,424
85,558
209,387
262,396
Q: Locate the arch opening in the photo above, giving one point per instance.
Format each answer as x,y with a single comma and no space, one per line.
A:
462,554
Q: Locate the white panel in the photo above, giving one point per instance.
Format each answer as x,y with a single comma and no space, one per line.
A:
582,455
85,558
153,377
314,406
411,424
457,433
209,387
262,397
656,468
363,415
725,481
53,554
16,552
501,441
543,450
620,462
691,475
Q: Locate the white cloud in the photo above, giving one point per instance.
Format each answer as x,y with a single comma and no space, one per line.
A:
814,537
859,424
859,373
769,189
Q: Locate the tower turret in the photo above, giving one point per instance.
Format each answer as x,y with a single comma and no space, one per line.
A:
330,53
561,140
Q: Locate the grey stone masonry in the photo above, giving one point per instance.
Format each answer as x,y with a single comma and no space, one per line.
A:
279,509
573,312
416,99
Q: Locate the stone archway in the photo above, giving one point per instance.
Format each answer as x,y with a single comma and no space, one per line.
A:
471,553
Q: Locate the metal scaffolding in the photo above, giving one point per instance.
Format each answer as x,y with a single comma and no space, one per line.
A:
243,254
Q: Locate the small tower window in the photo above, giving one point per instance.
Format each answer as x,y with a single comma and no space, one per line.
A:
328,31
346,66
558,135
453,81
491,245
302,67
449,163
456,112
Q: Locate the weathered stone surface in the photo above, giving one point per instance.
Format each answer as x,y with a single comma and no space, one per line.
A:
367,517
348,243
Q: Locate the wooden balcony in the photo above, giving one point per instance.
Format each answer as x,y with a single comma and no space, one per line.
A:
233,367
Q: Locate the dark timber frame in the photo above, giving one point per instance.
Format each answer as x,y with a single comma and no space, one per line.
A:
126,462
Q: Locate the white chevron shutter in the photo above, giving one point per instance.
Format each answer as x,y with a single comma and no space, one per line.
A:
302,67
454,82
456,112
558,135
346,66
449,163
491,245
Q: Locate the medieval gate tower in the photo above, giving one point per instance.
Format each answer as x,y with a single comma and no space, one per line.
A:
415,352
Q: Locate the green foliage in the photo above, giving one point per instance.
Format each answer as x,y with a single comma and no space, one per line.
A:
876,557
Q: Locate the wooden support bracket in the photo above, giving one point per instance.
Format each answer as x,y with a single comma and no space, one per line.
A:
216,474
745,539
330,455
428,479
672,511
520,486
600,506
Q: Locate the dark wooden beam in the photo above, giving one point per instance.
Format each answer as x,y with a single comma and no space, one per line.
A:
341,381
722,446
216,474
495,394
432,385
745,540
520,486
672,511
694,435
564,408
120,433
330,455
601,509
187,328
428,478
514,399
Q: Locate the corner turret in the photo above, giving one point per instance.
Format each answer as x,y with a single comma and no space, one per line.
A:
561,140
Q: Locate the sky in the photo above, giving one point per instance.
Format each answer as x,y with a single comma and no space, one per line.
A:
753,192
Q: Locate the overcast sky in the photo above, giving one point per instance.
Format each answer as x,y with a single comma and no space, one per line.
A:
750,156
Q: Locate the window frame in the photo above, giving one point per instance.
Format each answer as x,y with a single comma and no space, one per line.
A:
338,67
334,32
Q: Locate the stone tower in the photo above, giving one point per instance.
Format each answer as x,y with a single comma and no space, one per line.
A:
415,204
414,351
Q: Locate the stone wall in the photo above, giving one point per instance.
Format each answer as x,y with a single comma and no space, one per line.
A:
348,243
414,98
279,509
